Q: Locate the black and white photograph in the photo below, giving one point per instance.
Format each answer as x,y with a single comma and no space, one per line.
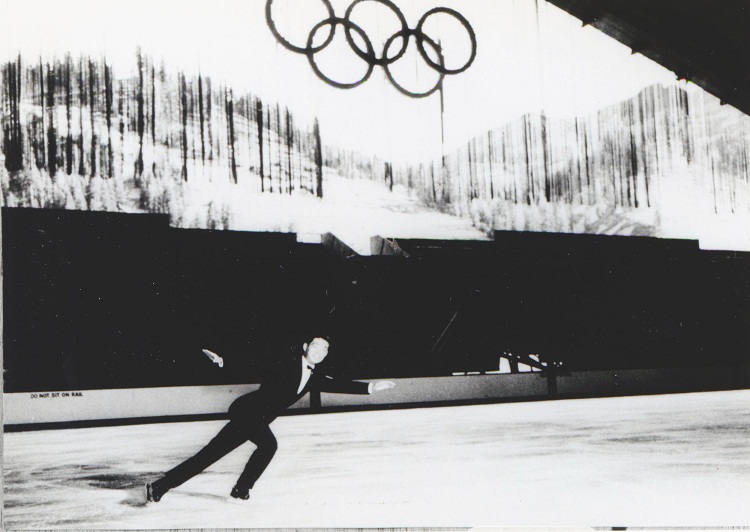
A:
385,264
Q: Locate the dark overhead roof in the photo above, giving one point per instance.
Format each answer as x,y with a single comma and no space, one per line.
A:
704,41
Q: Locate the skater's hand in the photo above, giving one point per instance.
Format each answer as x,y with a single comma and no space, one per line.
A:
216,359
383,385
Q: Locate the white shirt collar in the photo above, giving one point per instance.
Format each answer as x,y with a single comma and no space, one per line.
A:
306,374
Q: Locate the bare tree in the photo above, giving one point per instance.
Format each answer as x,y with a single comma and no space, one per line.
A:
259,121
200,112
82,103
122,111
184,113
278,147
228,97
12,133
153,104
140,113
108,97
389,175
208,120
318,160
68,118
289,143
93,89
51,132
270,155
42,162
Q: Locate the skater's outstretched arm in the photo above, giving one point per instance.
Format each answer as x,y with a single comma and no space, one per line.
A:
381,385
216,359
329,384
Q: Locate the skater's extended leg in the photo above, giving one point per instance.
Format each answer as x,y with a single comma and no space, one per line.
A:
228,439
264,439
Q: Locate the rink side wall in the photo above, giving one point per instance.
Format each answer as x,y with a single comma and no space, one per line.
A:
39,410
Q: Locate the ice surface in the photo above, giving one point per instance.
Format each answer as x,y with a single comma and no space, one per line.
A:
674,460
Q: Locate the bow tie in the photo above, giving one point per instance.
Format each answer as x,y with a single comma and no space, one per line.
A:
311,368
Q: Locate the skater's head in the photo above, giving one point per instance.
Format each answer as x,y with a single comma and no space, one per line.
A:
317,350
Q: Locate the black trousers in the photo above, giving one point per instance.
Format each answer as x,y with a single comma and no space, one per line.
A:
234,434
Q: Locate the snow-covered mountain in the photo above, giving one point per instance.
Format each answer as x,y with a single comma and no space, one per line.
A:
669,162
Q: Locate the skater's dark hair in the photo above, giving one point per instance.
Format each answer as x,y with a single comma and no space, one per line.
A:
326,337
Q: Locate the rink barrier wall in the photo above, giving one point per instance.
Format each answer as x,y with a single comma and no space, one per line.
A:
43,410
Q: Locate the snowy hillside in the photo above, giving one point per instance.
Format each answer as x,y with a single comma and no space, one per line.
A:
669,162
77,137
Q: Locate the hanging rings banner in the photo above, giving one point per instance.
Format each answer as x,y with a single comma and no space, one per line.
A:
389,55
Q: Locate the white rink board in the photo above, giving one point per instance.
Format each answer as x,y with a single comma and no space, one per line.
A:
46,407
88,405
454,388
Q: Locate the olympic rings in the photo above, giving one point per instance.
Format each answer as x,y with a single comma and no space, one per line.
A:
333,21
465,23
405,34
369,55
371,58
